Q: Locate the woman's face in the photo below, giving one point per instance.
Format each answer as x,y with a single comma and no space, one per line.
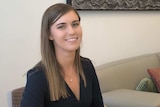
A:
66,33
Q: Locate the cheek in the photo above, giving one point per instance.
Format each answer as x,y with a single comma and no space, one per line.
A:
56,36
80,32
52,33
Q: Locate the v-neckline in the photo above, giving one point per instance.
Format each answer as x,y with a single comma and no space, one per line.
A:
72,93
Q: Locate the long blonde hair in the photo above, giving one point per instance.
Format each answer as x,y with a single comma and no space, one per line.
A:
56,82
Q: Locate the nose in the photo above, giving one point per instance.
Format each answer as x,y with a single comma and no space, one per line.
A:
71,30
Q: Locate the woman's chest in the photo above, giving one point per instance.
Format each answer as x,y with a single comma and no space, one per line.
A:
71,101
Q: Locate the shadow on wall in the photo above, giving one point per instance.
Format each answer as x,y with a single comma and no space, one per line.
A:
9,99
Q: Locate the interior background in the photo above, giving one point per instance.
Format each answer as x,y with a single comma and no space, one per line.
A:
107,36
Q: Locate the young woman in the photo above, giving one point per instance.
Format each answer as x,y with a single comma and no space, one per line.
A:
63,78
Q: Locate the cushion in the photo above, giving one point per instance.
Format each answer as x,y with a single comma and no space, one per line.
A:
155,75
130,98
146,84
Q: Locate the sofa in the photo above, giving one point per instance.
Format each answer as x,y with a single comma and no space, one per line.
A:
119,81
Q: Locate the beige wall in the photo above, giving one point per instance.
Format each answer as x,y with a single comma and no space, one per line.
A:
112,35
107,36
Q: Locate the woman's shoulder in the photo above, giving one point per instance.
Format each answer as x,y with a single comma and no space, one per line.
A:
36,71
86,61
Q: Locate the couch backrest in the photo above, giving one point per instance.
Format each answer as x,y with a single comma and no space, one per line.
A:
126,73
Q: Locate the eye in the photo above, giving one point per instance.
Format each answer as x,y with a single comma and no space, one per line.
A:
75,24
61,27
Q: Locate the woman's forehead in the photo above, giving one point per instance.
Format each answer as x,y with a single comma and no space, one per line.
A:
68,17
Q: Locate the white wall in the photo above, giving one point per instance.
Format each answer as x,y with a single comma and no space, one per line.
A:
107,36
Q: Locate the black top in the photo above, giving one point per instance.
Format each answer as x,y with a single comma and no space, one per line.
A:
36,93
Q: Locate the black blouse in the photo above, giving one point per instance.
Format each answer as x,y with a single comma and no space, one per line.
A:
36,93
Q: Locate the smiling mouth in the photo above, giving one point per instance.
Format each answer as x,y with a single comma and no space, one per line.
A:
71,39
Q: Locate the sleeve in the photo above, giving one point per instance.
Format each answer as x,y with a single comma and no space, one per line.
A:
35,89
97,100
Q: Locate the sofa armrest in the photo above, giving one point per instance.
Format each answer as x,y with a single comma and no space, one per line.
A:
131,98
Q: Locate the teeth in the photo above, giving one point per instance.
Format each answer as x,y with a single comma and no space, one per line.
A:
71,39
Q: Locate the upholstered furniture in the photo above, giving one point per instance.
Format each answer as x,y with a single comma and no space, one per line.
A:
119,80
17,96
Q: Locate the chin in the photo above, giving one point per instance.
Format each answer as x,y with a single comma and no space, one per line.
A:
73,48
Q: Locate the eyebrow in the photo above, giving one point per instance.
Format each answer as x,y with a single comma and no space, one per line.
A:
65,23
60,24
76,21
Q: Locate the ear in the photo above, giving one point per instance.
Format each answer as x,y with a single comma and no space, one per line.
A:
51,37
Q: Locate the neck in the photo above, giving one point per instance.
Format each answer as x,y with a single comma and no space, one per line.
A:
66,60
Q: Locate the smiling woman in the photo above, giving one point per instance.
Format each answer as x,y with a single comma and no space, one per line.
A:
63,77
66,33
